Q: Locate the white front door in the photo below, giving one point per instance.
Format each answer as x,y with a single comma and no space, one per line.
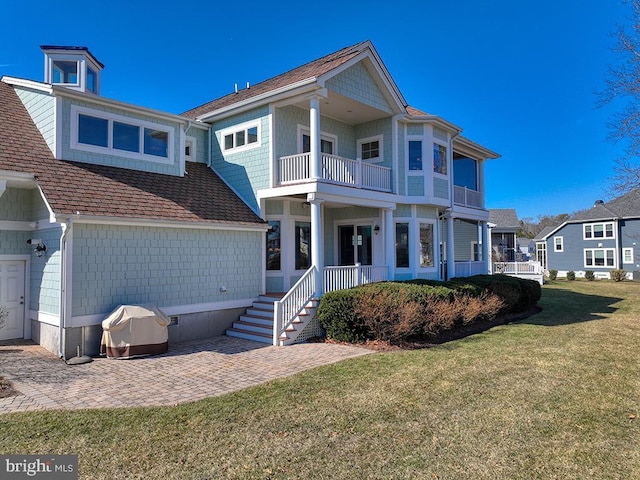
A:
12,299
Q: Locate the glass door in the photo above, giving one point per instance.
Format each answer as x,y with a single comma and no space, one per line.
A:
355,245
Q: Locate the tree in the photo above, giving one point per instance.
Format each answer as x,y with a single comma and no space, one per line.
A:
623,84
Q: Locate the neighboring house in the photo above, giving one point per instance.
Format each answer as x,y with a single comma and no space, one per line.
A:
603,238
317,179
504,229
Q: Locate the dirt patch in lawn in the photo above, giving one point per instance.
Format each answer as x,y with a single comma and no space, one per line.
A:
6,388
443,337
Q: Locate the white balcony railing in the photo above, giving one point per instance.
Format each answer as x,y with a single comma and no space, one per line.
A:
340,278
335,169
468,198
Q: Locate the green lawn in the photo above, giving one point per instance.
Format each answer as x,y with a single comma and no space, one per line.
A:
549,397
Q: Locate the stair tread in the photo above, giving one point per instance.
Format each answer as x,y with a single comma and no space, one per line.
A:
252,315
246,332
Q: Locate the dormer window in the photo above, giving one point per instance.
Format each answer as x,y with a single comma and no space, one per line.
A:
65,71
72,67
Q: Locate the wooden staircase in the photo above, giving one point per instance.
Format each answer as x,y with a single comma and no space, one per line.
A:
256,323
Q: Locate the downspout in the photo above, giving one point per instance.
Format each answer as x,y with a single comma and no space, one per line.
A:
66,229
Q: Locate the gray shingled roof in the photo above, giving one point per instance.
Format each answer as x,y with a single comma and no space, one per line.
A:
504,218
625,206
97,190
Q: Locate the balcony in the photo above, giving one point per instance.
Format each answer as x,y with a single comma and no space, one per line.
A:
294,169
467,198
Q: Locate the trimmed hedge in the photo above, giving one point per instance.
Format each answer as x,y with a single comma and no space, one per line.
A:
396,311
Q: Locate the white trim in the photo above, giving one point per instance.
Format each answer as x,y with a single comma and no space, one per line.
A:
593,257
561,249
96,319
434,253
375,138
43,317
75,144
235,129
31,84
95,220
304,130
192,142
26,321
604,231
625,251
16,225
278,93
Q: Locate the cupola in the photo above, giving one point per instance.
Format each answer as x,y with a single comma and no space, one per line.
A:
72,67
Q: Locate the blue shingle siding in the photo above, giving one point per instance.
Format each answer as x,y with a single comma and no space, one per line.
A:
41,108
162,266
15,204
45,273
356,82
274,207
415,129
402,211
112,159
378,127
441,188
14,242
401,174
416,185
202,143
440,134
247,171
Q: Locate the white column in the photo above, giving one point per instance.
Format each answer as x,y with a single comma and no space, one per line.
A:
317,244
451,257
389,242
315,157
486,247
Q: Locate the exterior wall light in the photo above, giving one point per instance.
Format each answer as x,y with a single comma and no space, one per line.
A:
376,229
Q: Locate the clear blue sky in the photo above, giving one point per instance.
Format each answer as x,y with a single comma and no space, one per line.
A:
518,76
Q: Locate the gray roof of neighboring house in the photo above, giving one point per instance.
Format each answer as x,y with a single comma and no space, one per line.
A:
625,206
544,232
504,218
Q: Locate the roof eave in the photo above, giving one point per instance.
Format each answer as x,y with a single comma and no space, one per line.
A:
303,86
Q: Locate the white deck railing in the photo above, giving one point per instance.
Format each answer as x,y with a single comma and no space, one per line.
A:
290,306
340,278
468,269
515,268
468,198
335,169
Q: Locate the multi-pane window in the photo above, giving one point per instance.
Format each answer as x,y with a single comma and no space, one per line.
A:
426,245
370,149
117,135
439,158
627,255
245,137
273,245
303,245
402,245
558,244
599,257
415,155
598,230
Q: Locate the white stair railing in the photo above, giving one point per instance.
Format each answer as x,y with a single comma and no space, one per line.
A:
291,305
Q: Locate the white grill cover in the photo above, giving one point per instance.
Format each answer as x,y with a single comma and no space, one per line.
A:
133,330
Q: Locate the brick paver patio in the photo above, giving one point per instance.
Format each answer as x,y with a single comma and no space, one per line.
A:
189,371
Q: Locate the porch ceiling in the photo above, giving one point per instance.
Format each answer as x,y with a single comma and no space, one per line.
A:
346,109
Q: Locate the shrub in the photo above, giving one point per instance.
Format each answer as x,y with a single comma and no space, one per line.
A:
618,275
397,311
553,274
337,317
571,275
589,275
